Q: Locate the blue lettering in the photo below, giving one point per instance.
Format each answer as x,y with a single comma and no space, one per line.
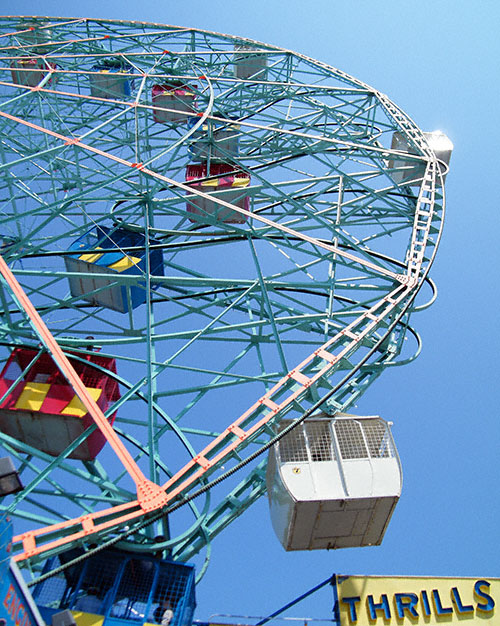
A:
383,605
406,602
351,603
457,601
479,593
440,609
425,603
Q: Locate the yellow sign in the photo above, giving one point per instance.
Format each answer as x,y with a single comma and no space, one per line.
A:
401,601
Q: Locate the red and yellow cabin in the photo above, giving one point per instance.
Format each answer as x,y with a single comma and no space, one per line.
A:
224,182
29,72
172,102
42,409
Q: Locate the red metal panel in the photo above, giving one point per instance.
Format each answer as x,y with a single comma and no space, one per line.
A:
225,177
49,429
178,97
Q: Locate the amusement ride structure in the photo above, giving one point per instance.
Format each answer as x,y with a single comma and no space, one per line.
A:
210,248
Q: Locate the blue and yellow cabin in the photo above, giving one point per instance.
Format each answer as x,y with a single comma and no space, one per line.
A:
116,588
102,256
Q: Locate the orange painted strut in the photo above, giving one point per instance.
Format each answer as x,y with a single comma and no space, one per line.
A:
144,487
152,497
255,216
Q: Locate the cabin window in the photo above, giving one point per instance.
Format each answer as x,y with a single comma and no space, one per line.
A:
13,371
54,592
378,439
293,447
319,438
350,439
131,600
94,587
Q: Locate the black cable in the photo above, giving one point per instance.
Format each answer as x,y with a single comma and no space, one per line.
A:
182,500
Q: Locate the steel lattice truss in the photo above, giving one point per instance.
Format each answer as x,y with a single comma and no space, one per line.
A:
250,321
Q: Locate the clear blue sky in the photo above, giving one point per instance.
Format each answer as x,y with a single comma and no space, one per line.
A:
438,60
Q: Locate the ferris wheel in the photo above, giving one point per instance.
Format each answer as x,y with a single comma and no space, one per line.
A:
211,235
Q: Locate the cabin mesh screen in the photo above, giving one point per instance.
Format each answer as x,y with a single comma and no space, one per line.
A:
52,592
319,438
292,447
170,593
378,439
350,439
94,588
133,592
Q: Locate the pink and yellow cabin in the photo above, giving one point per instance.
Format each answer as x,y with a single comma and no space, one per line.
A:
171,103
29,72
42,409
224,182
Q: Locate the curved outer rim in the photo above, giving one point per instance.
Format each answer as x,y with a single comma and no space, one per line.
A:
404,294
